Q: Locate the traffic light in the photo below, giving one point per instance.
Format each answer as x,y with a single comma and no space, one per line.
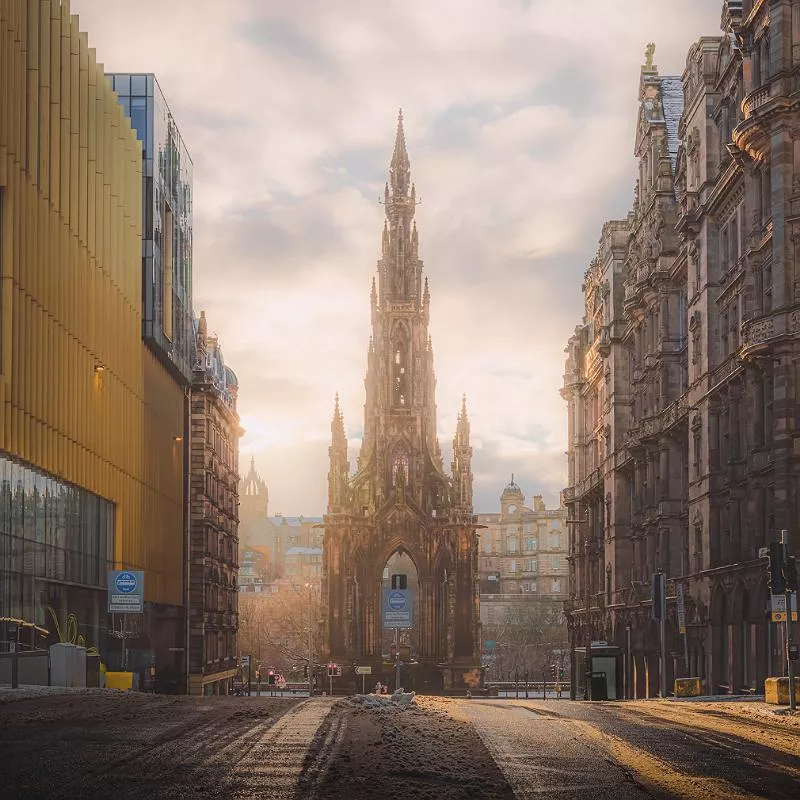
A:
659,596
553,671
399,581
332,670
258,674
790,573
775,577
271,677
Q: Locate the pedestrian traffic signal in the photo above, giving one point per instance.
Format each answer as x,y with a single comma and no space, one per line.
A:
561,673
775,576
271,677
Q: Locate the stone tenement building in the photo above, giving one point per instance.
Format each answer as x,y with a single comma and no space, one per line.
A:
214,501
522,557
682,381
400,500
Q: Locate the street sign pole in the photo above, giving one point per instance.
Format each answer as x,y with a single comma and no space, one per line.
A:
682,623
14,644
789,660
396,658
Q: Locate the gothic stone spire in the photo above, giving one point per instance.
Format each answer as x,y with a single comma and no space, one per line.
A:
462,460
338,475
400,168
400,267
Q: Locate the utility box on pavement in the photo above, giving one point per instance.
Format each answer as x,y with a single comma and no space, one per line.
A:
776,691
119,680
68,665
688,687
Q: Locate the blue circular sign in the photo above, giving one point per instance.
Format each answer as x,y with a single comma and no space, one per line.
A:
125,582
397,600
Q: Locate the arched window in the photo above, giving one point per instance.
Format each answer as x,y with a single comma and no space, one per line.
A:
400,375
400,470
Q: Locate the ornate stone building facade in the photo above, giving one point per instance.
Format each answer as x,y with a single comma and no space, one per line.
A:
400,500
522,555
682,382
522,565
214,502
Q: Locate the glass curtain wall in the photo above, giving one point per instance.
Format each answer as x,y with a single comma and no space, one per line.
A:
56,545
166,219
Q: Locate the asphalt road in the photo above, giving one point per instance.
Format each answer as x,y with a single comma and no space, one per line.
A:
101,745
589,751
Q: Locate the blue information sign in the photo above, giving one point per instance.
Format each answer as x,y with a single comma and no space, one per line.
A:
398,608
126,591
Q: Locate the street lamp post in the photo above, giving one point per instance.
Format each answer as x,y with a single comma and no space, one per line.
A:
310,642
587,689
588,664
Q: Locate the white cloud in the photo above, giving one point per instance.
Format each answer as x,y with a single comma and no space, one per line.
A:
519,121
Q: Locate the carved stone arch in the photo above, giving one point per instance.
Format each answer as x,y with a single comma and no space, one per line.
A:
443,559
400,544
738,599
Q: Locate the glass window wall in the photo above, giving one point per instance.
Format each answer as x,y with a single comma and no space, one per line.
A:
56,545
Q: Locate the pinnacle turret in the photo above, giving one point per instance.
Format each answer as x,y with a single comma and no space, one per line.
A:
337,424
462,426
462,460
400,168
338,476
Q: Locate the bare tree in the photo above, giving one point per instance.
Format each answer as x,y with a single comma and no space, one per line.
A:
528,640
274,628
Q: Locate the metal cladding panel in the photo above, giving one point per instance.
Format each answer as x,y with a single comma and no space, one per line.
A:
72,373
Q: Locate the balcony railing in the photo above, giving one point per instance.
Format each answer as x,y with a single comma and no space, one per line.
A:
588,483
754,100
675,412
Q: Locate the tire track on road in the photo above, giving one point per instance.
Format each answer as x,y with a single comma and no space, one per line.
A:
678,755
658,774
543,755
270,767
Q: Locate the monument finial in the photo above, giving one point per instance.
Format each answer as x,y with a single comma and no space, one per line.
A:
649,53
400,166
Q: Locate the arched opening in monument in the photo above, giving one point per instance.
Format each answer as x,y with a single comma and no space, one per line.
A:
400,575
400,372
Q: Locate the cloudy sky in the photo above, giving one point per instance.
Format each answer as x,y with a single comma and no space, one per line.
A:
519,118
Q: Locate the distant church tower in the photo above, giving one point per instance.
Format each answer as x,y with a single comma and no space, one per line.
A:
400,500
253,502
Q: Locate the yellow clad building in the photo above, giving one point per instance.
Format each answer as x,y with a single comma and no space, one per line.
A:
91,452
